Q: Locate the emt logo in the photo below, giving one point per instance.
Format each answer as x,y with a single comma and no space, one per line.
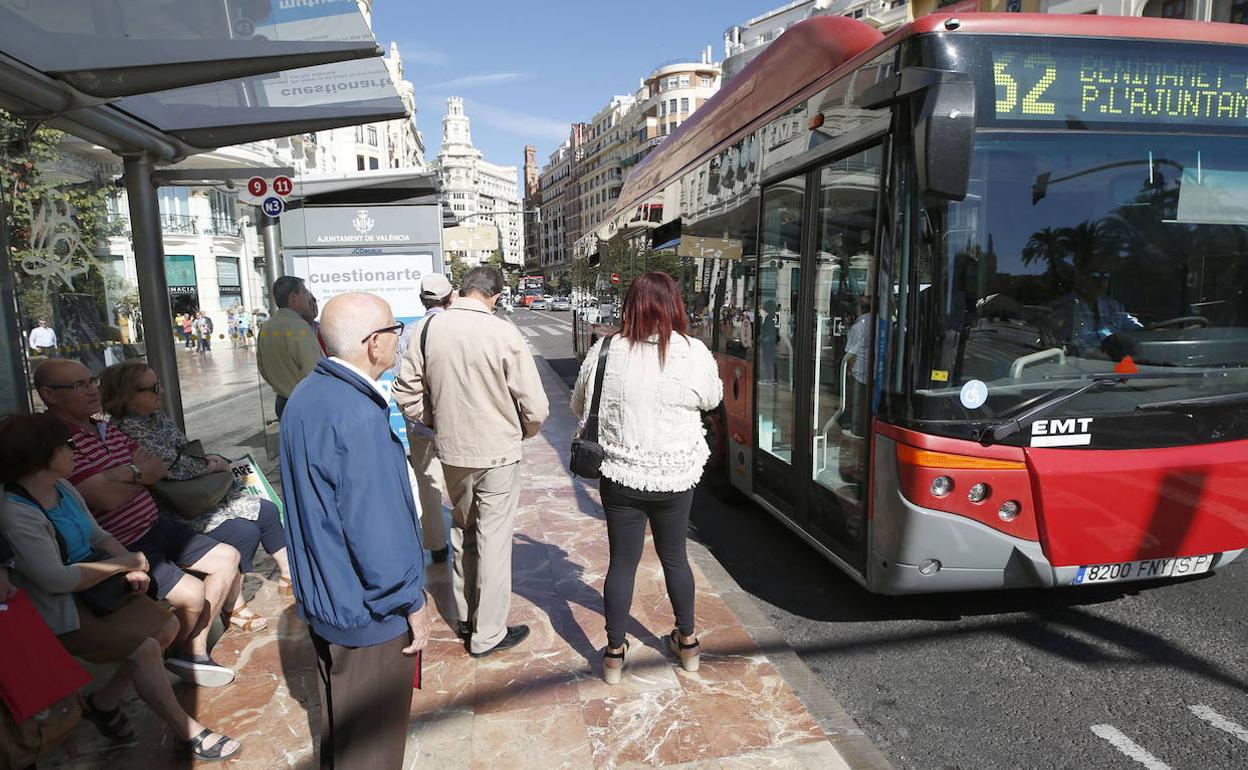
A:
1074,431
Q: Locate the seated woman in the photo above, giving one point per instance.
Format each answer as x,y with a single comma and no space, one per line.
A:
58,552
130,393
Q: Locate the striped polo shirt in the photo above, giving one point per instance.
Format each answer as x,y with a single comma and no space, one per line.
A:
99,450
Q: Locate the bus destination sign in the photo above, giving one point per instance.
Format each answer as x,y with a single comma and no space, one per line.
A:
1081,86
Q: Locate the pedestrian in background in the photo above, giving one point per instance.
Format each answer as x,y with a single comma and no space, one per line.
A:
203,331
657,383
243,319
435,295
287,350
355,552
186,322
231,321
42,339
471,378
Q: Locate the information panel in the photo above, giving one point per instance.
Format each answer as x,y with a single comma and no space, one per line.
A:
1089,83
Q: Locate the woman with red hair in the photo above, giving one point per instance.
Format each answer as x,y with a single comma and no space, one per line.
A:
656,384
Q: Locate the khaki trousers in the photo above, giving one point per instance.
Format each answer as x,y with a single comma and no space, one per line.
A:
366,695
483,519
430,488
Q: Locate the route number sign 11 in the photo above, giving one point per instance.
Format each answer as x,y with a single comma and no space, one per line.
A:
259,189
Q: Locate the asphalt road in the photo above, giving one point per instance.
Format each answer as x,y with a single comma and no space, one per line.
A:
1150,675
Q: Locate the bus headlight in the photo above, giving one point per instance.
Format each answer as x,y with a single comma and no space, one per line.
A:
941,486
1009,510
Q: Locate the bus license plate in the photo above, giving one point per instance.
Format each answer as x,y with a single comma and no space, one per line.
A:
1145,569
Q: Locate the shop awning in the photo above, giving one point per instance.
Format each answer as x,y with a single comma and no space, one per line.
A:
177,78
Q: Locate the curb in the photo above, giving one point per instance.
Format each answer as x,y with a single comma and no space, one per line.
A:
854,746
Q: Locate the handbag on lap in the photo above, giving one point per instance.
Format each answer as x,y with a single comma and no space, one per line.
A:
193,497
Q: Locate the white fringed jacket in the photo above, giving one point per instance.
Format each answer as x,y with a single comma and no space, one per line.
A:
650,421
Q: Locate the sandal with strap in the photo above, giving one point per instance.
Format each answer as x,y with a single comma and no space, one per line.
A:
112,724
689,654
284,588
244,619
612,674
194,748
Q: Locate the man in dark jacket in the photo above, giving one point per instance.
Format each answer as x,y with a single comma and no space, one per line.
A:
356,556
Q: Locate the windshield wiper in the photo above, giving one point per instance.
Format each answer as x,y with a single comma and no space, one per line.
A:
1003,430
1179,404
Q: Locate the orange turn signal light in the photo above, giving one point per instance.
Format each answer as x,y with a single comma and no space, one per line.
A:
924,458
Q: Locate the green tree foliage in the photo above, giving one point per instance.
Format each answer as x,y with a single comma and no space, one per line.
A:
458,268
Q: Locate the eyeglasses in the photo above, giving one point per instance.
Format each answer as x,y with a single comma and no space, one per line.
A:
397,329
150,389
1097,275
78,386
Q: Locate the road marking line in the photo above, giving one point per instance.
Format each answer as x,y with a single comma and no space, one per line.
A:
1220,722
1129,747
555,330
529,331
546,317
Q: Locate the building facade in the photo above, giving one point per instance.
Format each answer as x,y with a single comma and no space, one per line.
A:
532,209
478,192
582,179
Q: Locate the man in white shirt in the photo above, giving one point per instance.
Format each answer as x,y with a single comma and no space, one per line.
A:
42,339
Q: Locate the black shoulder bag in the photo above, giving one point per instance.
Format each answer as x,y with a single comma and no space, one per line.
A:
103,598
586,460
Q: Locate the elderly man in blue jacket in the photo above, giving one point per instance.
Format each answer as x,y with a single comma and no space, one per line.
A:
356,556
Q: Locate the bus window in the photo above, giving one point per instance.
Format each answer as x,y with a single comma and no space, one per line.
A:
1069,258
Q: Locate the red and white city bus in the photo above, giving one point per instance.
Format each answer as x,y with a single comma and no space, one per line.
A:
978,290
531,287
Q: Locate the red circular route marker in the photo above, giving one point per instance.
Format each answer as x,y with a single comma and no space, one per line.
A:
283,186
257,186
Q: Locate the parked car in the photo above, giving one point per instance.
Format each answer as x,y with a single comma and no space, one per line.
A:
538,304
561,303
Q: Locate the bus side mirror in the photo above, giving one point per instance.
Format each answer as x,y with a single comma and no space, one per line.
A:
943,106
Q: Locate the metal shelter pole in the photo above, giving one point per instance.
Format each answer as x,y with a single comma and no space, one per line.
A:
149,262
13,359
271,235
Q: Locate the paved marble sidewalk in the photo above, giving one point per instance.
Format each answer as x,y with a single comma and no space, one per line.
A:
542,705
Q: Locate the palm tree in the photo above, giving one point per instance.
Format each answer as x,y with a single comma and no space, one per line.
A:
1048,245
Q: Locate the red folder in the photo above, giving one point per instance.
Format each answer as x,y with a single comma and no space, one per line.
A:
35,670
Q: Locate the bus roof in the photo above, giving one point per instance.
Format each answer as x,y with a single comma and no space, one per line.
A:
814,49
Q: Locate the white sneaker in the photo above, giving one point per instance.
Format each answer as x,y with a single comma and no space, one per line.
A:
204,673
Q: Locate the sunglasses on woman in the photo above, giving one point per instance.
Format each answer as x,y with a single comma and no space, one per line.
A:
150,389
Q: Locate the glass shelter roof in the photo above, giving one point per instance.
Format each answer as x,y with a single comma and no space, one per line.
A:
176,77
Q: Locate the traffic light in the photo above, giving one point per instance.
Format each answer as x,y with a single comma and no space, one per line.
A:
1040,187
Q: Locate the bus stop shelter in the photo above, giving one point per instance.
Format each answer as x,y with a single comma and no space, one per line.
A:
156,82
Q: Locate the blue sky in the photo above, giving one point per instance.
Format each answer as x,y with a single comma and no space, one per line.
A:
526,69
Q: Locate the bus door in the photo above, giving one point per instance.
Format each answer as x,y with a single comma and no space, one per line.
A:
813,349
777,390
843,216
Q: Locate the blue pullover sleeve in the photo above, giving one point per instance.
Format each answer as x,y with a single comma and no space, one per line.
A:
379,525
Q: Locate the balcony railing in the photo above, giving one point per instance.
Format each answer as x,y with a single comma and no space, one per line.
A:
181,224
223,226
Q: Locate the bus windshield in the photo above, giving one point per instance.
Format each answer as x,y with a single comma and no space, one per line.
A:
1081,254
